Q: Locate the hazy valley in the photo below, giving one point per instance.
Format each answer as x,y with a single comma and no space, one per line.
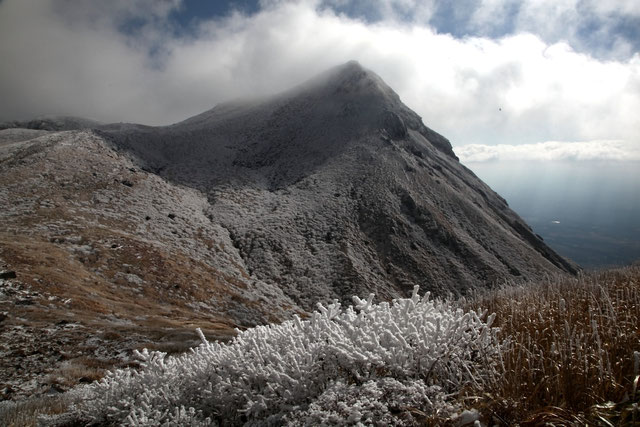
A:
588,211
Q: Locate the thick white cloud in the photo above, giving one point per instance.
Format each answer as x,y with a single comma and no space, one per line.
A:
551,151
60,59
608,29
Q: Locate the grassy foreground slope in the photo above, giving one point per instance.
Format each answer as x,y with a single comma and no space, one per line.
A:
565,351
574,352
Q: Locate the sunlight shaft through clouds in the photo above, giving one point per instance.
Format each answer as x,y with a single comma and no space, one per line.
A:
128,62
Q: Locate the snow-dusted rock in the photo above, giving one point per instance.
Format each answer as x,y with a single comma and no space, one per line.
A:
335,187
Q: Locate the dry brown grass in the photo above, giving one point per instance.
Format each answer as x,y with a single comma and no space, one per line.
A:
571,350
26,413
77,371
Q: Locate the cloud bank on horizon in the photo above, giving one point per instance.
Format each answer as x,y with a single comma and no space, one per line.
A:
551,151
485,72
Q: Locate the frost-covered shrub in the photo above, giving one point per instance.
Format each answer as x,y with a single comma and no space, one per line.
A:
382,402
365,362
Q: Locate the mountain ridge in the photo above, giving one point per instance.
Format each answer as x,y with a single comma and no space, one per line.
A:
341,142
123,236
344,142
355,93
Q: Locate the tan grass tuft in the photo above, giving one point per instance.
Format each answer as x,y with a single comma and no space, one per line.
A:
572,346
26,413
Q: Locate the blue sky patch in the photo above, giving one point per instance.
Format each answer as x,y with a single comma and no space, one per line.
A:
194,11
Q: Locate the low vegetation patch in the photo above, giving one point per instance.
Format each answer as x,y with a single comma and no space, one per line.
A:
389,362
565,351
26,413
574,349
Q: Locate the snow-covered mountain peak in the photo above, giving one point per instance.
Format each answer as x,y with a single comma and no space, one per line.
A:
347,90
351,78
362,95
336,187
275,141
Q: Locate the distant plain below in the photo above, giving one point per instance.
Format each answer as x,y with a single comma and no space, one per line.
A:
588,211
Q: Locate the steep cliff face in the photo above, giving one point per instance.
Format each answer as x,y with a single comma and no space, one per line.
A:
337,188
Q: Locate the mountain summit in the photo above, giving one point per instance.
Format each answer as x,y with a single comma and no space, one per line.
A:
285,136
336,188
125,236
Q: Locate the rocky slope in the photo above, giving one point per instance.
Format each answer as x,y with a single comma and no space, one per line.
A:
336,188
123,235
100,257
52,123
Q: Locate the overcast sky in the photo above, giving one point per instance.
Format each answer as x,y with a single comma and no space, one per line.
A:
492,73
